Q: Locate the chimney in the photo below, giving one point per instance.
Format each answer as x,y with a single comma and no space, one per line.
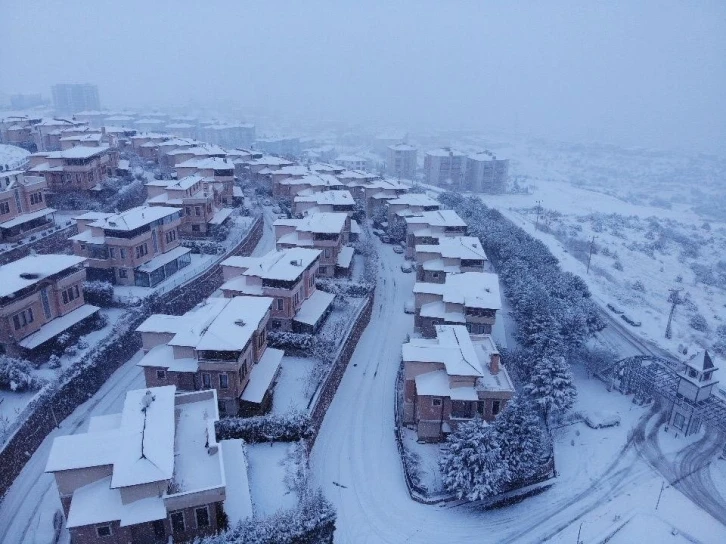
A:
494,363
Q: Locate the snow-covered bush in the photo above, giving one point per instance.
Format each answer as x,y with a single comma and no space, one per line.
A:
343,288
289,340
54,361
17,375
311,522
698,323
288,427
617,265
638,286
99,293
71,350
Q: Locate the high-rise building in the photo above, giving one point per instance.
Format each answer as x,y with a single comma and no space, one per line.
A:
485,173
444,167
75,97
401,161
25,101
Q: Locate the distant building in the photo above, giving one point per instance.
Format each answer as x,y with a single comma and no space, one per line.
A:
352,162
288,276
25,101
444,167
401,161
486,174
452,378
153,473
228,134
220,344
41,296
283,146
72,98
23,206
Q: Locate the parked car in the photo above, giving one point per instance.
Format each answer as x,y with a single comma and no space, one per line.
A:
615,309
631,321
267,202
409,307
398,249
407,268
386,239
49,527
378,232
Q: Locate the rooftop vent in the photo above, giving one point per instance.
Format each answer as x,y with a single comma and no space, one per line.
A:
112,223
146,400
29,275
240,323
296,262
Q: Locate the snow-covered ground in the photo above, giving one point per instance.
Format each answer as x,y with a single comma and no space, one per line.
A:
296,384
601,476
266,476
13,403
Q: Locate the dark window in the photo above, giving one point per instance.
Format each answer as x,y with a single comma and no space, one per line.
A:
435,402
223,381
159,529
177,522
196,228
280,304
4,208
161,374
202,515
496,407
206,381
123,273
104,530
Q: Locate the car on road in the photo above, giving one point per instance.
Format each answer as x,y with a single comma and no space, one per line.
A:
378,232
398,249
614,309
267,202
409,307
407,268
630,321
385,239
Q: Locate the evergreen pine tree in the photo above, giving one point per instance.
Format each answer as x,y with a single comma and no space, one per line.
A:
551,388
522,440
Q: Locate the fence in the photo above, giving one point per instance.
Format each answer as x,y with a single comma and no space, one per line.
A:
58,402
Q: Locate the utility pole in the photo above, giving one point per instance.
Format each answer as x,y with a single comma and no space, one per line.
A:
589,258
539,209
662,487
675,299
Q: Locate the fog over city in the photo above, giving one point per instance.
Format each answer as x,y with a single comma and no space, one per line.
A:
645,73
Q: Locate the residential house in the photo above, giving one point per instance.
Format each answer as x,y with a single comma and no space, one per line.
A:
41,296
47,133
409,204
471,299
23,206
450,379
217,173
427,227
401,161
154,473
434,262
308,201
288,276
291,186
138,247
220,344
200,203
377,193
352,162
79,168
328,232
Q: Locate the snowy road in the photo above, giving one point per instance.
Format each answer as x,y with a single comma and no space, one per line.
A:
356,461
34,490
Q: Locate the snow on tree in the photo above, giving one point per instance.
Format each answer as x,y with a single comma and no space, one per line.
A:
17,375
523,443
472,466
551,387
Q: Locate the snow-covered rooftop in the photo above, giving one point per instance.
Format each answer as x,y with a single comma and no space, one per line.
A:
33,269
472,289
285,264
78,152
414,199
320,222
208,163
314,307
134,218
262,375
445,152
436,218
455,247
336,198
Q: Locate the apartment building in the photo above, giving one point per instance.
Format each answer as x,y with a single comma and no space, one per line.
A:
79,168
74,97
285,146
434,262
307,202
352,162
138,247
471,299
452,378
401,161
273,176
220,344
228,134
152,473
217,173
182,130
409,204
199,201
288,276
444,167
41,296
428,227
23,206
485,173
325,231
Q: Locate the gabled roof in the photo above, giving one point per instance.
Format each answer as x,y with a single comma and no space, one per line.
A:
437,218
336,197
320,222
33,269
78,152
284,265
701,360
472,289
455,247
134,218
414,199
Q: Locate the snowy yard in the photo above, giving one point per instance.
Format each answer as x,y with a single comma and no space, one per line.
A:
295,385
267,469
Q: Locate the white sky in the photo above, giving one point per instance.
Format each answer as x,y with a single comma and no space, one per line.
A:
643,72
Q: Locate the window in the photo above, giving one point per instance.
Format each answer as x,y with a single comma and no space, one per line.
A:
197,211
122,251
679,421
435,275
261,339
202,516
188,210
323,270
496,407
141,250
4,208
196,228
461,409
70,294
177,522
159,529
296,298
36,198
326,253
223,381
311,280
104,530
276,324
112,252
706,376
280,303
161,375
435,402
206,381
692,373
123,273
243,370
170,236
23,318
